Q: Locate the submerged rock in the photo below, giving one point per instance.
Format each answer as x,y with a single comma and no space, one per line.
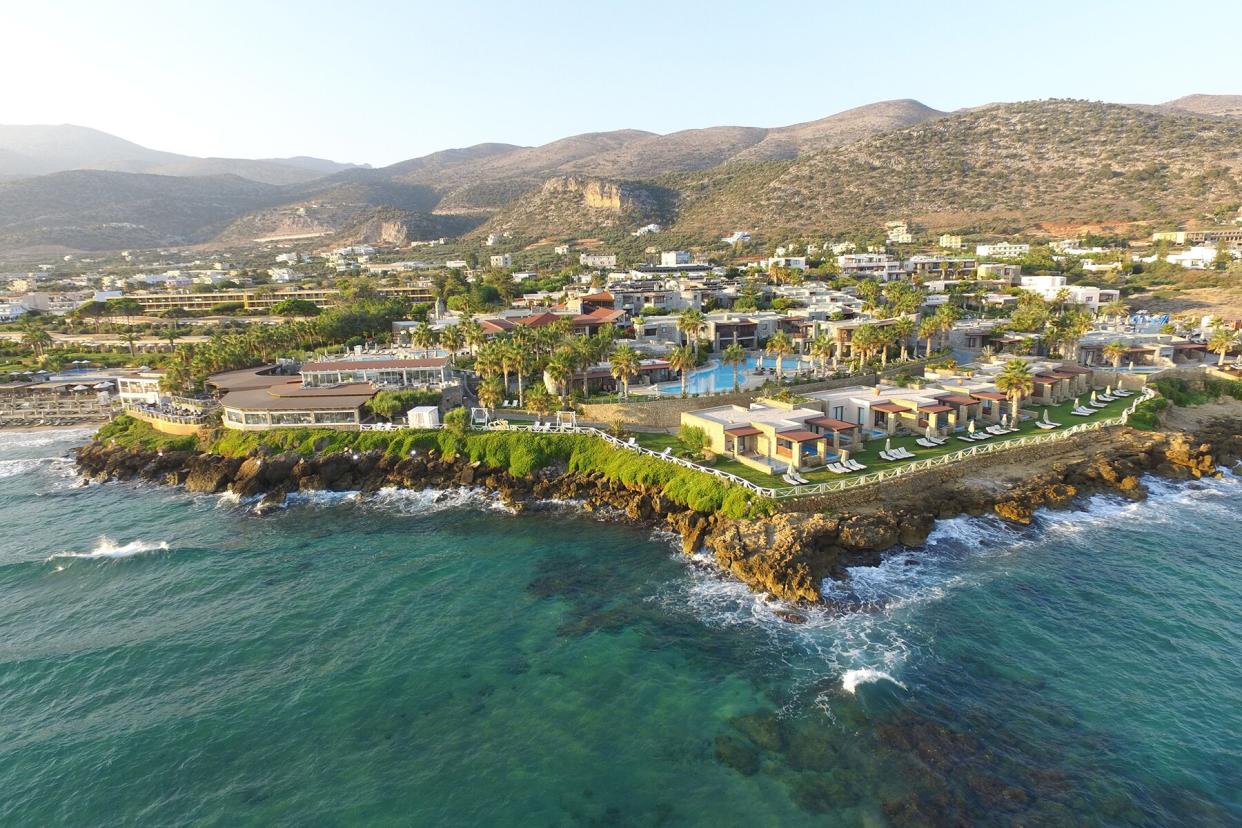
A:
737,754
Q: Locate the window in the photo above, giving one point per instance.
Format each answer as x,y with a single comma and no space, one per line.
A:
838,412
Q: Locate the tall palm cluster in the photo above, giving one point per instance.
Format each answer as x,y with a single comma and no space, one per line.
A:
191,363
508,360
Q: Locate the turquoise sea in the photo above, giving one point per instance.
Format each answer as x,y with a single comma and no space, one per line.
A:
170,659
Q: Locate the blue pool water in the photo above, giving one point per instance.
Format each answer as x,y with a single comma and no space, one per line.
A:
717,377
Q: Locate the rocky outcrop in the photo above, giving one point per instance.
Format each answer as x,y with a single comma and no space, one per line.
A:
787,555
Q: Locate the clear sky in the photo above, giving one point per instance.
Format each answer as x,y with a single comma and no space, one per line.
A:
379,80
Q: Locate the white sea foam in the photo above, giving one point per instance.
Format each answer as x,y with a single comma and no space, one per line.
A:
865,675
429,501
106,548
10,440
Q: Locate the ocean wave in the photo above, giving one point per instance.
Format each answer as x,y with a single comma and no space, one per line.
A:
106,548
10,440
865,675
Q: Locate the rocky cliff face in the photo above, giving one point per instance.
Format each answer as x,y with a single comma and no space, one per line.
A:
787,555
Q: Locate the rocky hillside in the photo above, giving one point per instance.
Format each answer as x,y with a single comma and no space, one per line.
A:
1007,165
1003,168
92,210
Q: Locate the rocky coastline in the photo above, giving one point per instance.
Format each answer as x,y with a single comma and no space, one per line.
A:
786,555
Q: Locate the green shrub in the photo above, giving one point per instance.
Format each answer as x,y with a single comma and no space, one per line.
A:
130,432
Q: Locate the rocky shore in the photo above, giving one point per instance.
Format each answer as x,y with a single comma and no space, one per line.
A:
787,555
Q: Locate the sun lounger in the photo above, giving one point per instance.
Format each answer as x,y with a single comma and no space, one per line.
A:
789,479
1120,393
1078,412
965,439
1046,426
888,455
837,468
854,465
906,454
997,430
1105,398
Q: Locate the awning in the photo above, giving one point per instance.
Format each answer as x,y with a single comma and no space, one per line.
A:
800,436
831,422
1044,380
935,409
989,395
890,408
1073,369
1190,346
957,399
742,431
1060,375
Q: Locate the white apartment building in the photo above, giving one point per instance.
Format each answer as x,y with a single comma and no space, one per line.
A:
673,258
1047,287
1003,250
950,242
737,236
898,232
597,260
503,260
880,266
793,262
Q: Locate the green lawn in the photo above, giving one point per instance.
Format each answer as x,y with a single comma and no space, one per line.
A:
870,455
661,441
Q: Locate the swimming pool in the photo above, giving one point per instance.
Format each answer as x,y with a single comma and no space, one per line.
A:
716,376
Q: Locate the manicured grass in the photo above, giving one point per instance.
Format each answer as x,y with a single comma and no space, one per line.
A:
661,441
869,456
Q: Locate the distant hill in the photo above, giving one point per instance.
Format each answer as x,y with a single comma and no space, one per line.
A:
98,210
1000,167
1222,106
42,149
1007,165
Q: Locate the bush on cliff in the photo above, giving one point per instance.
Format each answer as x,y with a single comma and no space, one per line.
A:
129,432
520,453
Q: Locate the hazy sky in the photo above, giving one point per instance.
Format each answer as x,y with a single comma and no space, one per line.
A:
377,82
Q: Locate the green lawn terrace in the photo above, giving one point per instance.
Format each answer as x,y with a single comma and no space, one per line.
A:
868,452
806,437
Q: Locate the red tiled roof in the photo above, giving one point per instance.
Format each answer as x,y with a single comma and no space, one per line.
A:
602,296
1043,380
935,409
536,320
890,407
831,422
499,325
800,436
742,431
988,395
957,399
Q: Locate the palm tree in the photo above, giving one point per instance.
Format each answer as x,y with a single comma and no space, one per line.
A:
1115,310
682,359
885,338
945,316
866,339
690,323
781,346
1220,343
129,338
1114,352
903,329
491,393
423,336
1016,382
559,370
734,355
928,328
36,338
472,334
821,350
451,339
624,366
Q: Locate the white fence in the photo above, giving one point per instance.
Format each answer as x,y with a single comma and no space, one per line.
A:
829,486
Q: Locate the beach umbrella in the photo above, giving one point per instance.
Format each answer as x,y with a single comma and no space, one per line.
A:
1108,392
1045,419
970,427
931,432
80,388
1094,399
888,445
1077,404
102,386
1004,421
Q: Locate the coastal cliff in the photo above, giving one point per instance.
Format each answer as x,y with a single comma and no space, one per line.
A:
787,554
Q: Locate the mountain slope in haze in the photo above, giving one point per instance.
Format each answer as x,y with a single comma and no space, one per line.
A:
1006,166
1221,106
99,210
43,149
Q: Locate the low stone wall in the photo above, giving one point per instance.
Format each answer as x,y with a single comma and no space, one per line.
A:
167,427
